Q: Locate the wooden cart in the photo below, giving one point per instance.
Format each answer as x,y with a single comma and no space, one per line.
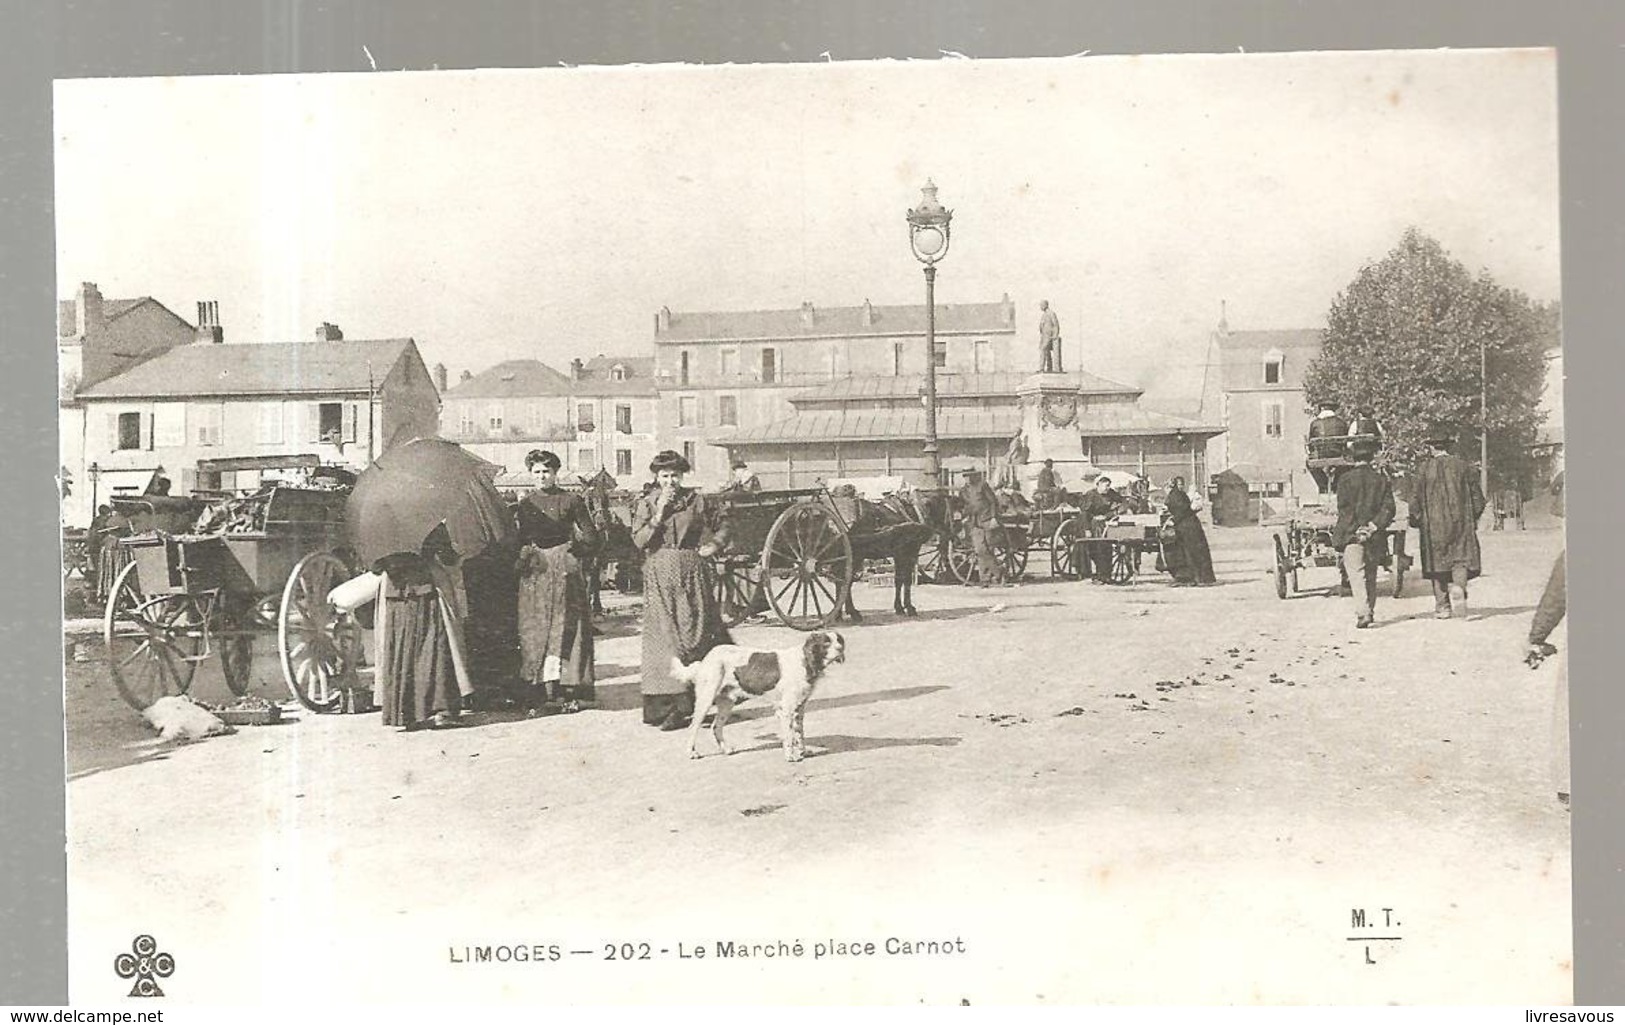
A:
788,550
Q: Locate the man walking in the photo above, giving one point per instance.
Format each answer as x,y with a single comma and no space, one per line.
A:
1365,508
1445,506
982,517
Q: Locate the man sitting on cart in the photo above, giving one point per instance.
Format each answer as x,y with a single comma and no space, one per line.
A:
1047,492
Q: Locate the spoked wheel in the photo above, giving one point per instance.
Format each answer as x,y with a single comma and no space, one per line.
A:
1062,548
1010,548
739,590
808,563
153,644
1125,563
931,566
320,648
962,554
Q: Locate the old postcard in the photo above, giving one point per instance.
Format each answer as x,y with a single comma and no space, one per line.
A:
1053,531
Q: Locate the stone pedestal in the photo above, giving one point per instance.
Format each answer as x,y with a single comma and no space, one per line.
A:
1050,407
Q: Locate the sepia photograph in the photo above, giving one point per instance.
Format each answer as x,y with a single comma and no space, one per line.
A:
1044,531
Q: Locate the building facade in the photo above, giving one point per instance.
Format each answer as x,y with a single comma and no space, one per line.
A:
1264,412
97,339
602,414
722,376
345,402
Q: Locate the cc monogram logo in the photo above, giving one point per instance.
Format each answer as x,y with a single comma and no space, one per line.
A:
146,964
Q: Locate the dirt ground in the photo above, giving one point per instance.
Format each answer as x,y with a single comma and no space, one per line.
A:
1103,795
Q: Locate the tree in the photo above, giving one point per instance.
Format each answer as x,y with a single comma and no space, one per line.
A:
1404,341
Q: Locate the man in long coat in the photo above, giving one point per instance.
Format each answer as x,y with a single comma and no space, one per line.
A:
1365,508
1445,504
982,517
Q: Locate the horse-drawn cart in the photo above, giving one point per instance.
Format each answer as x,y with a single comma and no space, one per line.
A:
183,596
790,550
1306,539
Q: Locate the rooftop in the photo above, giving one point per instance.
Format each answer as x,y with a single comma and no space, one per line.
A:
825,425
67,313
910,386
294,368
834,322
529,378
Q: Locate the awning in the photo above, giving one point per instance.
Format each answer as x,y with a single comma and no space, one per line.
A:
299,462
124,482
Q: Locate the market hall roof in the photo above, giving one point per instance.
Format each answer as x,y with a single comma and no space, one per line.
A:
1112,419
294,368
832,322
910,386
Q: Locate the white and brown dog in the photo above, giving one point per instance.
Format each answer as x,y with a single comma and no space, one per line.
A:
731,673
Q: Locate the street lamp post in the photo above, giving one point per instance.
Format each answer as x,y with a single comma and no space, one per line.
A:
1483,417
928,236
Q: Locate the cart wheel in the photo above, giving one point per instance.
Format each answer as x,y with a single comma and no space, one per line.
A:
962,554
931,566
808,566
1010,548
153,644
739,590
1281,590
319,647
1123,565
1061,548
1400,562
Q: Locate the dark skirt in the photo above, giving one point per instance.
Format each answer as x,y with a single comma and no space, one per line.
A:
419,679
1198,559
555,619
681,619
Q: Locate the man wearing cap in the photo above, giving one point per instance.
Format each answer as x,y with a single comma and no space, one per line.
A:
1445,505
1365,508
742,479
1095,508
982,517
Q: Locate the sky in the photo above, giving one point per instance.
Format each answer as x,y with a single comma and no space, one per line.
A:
549,213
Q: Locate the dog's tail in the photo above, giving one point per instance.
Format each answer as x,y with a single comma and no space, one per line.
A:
682,673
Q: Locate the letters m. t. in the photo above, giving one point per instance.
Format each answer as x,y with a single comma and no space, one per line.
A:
1359,918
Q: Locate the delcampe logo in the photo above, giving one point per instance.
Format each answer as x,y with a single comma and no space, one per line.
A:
146,964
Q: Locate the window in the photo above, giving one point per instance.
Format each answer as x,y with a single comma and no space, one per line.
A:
728,410
204,420
623,462
690,453
617,373
1274,361
331,423
623,419
982,357
584,418
1273,415
493,420
688,411
128,431
682,367
833,357
770,366
270,425
169,425
730,363
897,357
1272,489
940,353
585,460
465,421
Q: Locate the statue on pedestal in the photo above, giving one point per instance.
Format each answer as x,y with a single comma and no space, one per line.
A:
1049,340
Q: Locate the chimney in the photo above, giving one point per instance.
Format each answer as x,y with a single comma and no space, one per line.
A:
209,331
1009,310
663,320
440,377
87,310
1224,320
807,314
467,375
576,367
868,314
329,333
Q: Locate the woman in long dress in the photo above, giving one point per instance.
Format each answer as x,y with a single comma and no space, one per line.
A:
678,530
1197,558
421,663
556,531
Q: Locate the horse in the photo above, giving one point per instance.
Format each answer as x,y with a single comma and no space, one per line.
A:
894,529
